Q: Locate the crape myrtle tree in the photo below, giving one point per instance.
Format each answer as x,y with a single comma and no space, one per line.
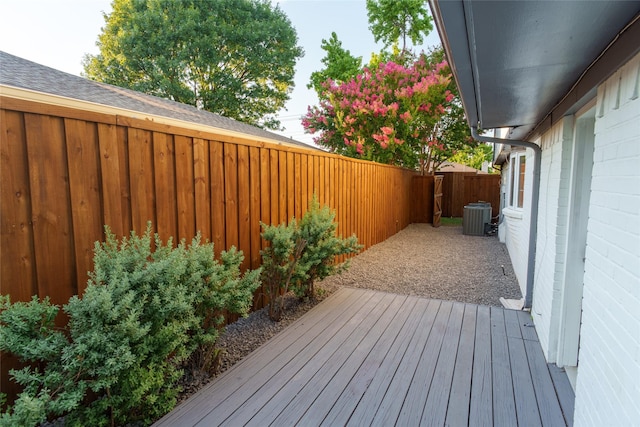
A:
391,113
402,108
231,57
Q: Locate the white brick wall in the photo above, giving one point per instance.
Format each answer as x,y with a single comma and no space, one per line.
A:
515,225
608,382
552,229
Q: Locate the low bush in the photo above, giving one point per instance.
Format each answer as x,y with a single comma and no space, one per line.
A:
318,229
143,315
280,263
301,253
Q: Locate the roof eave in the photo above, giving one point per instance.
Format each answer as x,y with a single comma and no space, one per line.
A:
461,62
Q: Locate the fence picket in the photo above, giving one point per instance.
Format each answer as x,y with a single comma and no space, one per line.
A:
244,200
185,190
84,190
218,216
165,185
202,187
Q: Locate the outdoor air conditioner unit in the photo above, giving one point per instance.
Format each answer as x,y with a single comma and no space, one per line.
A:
474,217
487,210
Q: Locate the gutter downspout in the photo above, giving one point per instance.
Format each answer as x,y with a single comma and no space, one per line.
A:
533,225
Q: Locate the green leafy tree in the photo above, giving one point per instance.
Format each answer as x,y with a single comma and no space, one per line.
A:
231,57
339,65
395,21
474,156
450,134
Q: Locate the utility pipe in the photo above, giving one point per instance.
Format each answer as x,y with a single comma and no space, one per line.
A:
533,225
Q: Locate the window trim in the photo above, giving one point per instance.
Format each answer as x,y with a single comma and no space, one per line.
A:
517,179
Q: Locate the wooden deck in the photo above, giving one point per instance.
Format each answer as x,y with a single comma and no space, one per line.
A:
370,358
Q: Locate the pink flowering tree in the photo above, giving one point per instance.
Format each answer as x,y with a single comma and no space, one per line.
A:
391,113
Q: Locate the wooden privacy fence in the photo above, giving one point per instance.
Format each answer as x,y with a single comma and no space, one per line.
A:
66,172
423,199
461,188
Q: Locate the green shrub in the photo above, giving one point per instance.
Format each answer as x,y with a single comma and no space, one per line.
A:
318,229
142,316
280,263
301,253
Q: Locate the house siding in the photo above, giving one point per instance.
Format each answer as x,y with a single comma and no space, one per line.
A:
608,381
552,230
514,229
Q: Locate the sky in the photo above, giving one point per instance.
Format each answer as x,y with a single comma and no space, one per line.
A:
59,33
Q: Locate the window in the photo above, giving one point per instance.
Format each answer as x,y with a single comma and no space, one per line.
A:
517,169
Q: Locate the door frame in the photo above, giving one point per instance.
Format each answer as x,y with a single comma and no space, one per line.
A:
577,222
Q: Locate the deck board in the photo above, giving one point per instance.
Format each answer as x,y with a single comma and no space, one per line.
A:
525,397
459,398
343,403
504,411
566,395
371,358
337,375
414,401
433,318
321,368
550,411
286,375
368,405
481,407
435,410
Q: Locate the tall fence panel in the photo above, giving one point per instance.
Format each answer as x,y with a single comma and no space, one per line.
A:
423,198
67,172
485,188
453,185
462,188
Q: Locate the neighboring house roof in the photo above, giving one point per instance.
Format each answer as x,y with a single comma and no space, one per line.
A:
20,73
524,64
457,167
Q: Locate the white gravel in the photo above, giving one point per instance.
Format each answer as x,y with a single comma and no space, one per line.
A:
439,263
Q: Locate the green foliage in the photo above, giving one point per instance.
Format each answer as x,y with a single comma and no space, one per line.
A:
143,314
393,21
280,262
301,253
451,221
29,331
318,229
231,57
339,65
474,156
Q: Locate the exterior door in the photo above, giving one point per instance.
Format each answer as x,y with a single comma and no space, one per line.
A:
578,215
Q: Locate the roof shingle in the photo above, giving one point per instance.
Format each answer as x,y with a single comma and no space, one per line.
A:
21,73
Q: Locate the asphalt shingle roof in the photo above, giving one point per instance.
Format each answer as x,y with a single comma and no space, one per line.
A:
21,73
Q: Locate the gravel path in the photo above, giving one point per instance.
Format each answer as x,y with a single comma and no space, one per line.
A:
439,263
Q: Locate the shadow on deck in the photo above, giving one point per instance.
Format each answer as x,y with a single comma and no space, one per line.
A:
364,357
